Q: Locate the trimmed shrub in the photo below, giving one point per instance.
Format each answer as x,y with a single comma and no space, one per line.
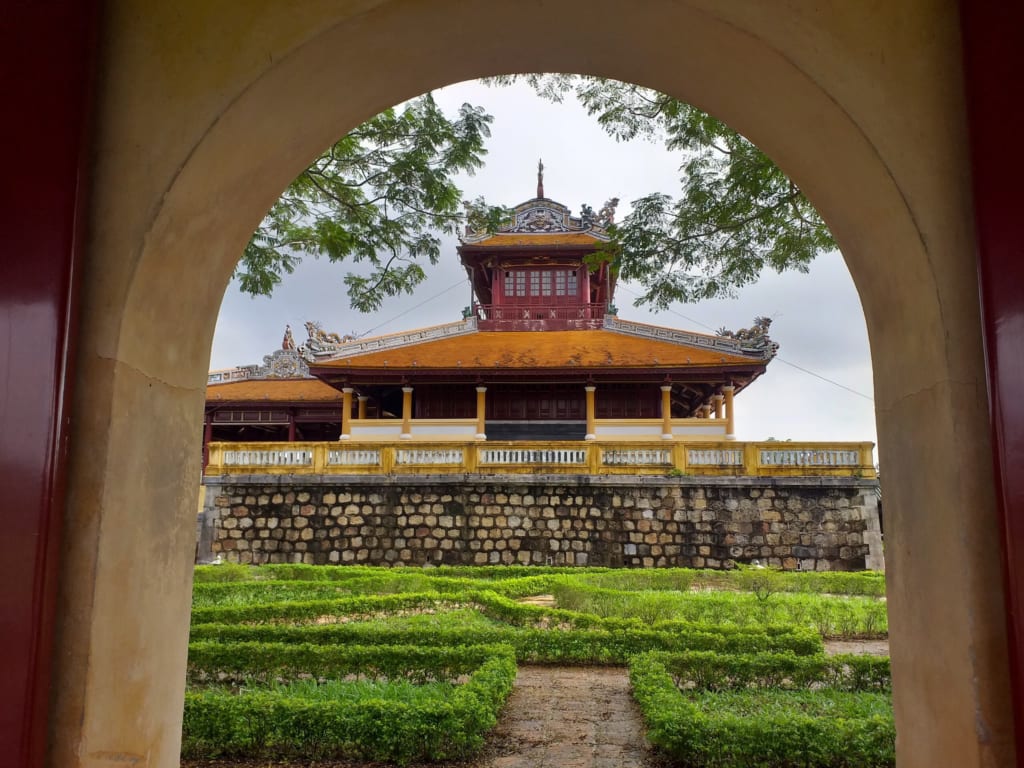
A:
263,661
756,725
295,611
591,646
283,724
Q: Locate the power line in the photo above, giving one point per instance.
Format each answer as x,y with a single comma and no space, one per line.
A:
414,308
825,378
780,359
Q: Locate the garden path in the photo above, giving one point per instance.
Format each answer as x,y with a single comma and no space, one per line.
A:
569,717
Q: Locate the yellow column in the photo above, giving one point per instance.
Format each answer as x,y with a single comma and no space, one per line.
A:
591,411
346,413
406,414
717,400
666,412
362,406
730,416
481,413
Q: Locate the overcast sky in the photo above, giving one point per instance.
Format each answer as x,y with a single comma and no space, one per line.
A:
817,318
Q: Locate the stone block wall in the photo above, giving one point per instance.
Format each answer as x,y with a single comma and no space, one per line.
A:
805,523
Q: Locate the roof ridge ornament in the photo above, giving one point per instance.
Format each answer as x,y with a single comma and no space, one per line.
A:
323,348
755,343
540,179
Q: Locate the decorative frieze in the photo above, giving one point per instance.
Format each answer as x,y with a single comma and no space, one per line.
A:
324,347
757,347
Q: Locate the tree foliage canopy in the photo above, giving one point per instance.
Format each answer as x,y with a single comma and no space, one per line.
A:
737,213
382,195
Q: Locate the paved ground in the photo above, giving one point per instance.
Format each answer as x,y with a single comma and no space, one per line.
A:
569,717
865,647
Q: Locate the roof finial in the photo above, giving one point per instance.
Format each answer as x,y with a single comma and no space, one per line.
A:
540,178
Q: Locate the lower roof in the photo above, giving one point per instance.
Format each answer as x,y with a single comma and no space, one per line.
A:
540,350
278,390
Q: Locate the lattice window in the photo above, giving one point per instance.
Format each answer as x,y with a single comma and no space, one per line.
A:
545,282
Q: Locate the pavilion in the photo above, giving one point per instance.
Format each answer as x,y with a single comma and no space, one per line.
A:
541,355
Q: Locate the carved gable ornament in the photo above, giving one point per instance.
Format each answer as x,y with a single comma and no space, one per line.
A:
541,217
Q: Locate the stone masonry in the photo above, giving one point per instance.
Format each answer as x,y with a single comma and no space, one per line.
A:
793,523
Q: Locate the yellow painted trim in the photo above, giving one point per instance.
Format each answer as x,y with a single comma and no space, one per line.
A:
758,459
730,413
406,411
346,412
591,412
666,411
481,411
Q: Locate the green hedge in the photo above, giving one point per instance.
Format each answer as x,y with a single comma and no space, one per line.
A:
300,572
504,609
309,610
269,661
782,637
867,583
592,646
762,726
707,670
833,616
229,593
262,724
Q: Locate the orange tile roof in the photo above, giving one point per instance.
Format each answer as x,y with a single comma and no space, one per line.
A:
542,349
277,390
554,238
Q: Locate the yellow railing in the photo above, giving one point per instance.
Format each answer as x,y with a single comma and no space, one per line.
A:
595,457
654,429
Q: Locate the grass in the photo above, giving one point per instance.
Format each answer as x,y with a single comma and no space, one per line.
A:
365,708
772,702
831,616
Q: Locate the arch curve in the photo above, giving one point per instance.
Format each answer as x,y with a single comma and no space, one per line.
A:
854,105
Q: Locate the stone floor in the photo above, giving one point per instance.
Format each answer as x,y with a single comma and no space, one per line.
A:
570,717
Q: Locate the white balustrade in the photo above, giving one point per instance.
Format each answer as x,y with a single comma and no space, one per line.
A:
635,457
510,456
255,458
375,429
429,456
714,457
357,457
809,458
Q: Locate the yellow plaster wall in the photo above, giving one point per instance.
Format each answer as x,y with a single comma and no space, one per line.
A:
206,110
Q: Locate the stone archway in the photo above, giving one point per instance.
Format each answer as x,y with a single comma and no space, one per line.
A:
205,115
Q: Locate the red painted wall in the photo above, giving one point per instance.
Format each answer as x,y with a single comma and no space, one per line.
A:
45,57
994,74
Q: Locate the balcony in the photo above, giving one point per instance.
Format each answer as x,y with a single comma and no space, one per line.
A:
538,317
595,457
